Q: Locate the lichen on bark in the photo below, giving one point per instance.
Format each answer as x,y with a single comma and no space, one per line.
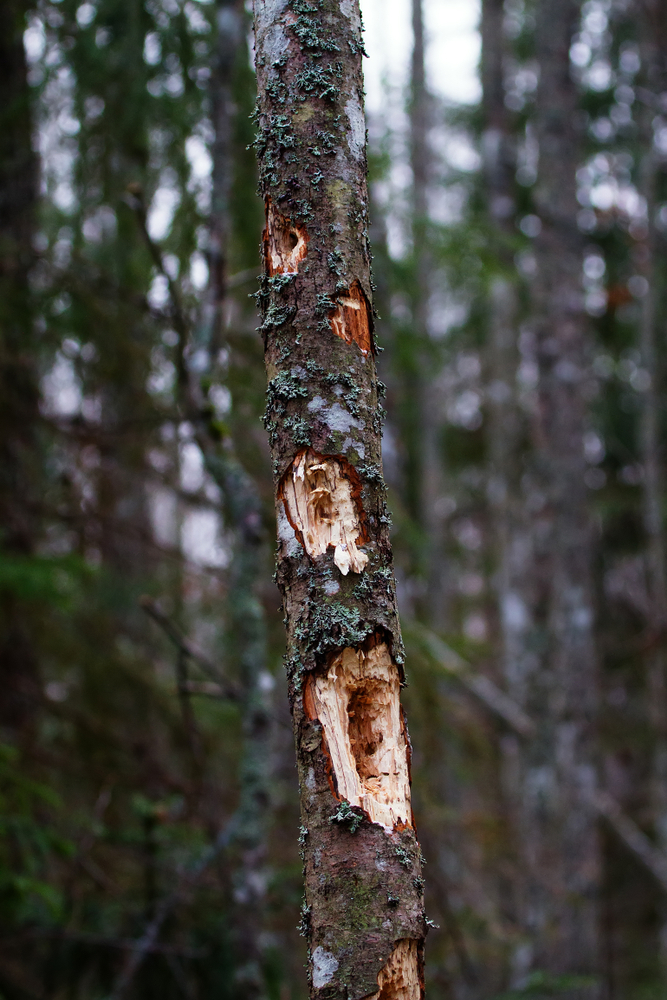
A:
363,913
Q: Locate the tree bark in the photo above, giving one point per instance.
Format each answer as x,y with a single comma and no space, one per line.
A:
549,610
19,389
363,911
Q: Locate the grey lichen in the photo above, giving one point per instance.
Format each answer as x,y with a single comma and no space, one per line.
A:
347,815
303,926
331,626
404,858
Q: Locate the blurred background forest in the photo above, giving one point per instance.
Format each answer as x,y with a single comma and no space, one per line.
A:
148,794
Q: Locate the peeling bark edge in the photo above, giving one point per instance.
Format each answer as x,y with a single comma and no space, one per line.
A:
363,883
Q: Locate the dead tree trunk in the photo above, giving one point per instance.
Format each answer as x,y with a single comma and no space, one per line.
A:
19,393
549,610
363,911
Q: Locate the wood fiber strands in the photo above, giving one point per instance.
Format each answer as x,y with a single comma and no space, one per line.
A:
285,245
320,506
350,320
363,913
357,702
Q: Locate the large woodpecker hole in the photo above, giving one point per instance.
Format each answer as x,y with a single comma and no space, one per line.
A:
320,502
400,979
357,701
285,243
350,320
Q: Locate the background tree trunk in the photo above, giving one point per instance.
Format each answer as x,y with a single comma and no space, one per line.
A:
20,469
363,910
653,21
551,614
506,424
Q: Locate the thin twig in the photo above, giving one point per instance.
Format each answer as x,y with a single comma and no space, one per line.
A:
148,940
122,944
484,689
242,277
227,689
505,708
627,831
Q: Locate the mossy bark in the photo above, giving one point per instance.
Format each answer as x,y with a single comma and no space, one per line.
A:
364,889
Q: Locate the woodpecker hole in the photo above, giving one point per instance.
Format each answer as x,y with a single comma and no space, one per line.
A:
320,495
285,243
357,701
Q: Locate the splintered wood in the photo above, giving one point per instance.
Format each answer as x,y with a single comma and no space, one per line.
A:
357,702
399,980
350,320
285,245
321,508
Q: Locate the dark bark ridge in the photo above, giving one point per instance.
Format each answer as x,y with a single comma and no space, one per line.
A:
364,890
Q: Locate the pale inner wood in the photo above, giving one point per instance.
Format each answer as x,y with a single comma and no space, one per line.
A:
286,245
358,703
350,320
399,980
319,502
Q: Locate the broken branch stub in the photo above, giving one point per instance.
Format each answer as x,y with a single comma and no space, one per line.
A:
350,320
357,702
400,979
321,507
285,244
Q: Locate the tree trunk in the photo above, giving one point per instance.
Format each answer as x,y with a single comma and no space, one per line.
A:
245,640
506,423
422,393
19,393
549,612
363,911
653,26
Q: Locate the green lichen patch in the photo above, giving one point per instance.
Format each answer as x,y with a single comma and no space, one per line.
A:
320,81
332,626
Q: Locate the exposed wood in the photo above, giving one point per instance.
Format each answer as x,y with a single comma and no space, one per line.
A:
357,701
319,502
285,243
351,319
399,979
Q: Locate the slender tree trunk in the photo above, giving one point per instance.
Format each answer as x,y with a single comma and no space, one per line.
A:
549,611
246,628
423,397
363,910
499,164
505,420
653,21
19,394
